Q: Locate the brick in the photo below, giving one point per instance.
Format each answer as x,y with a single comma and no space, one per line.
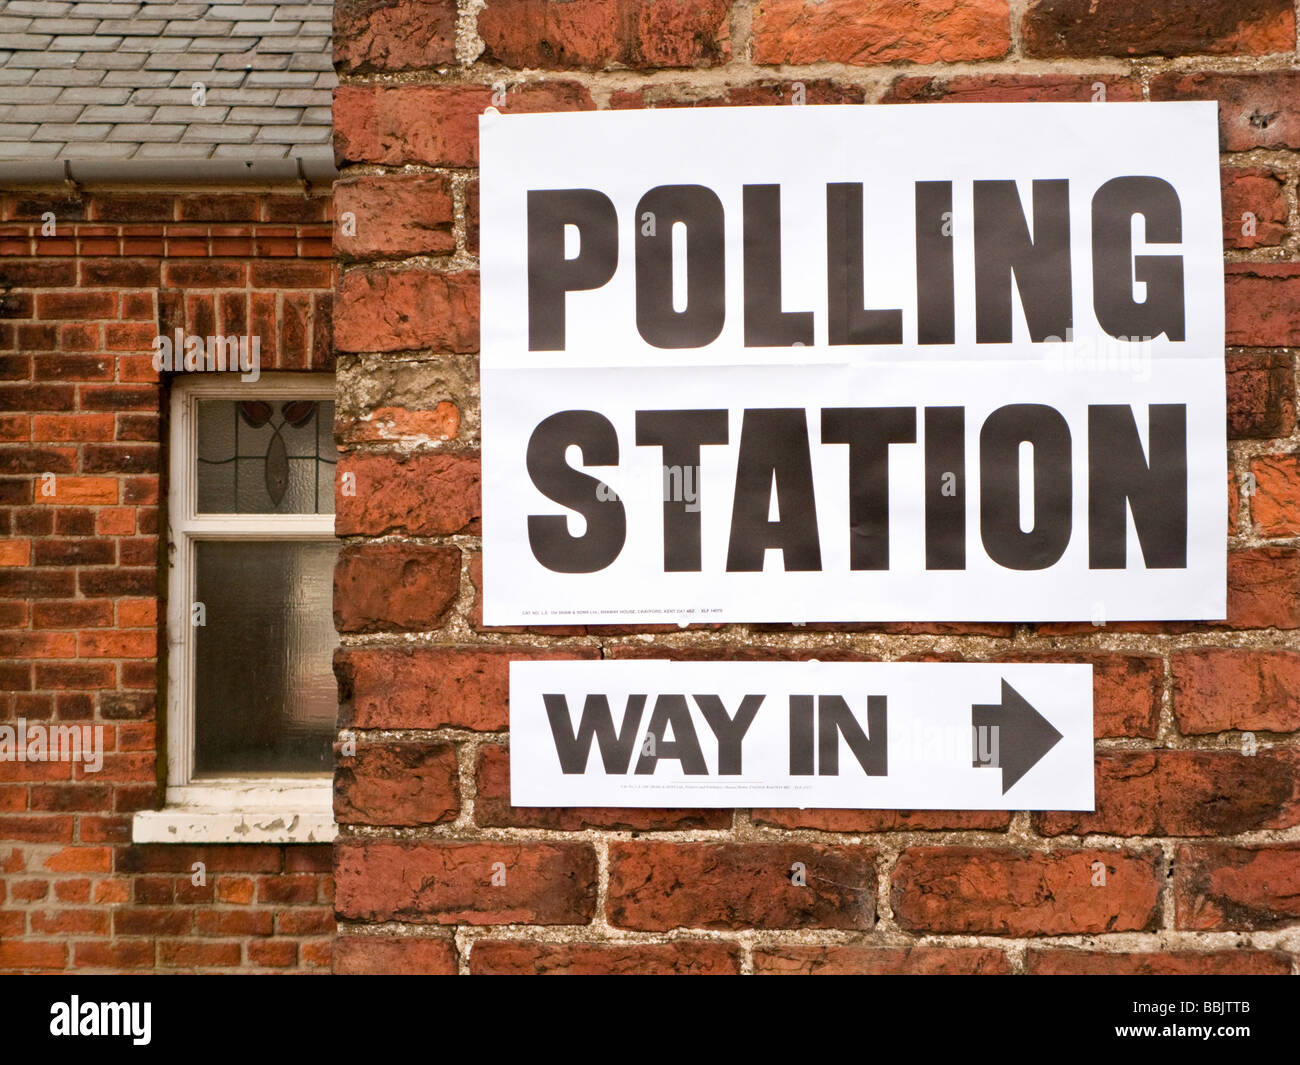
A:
399,310
1217,689
371,36
1056,29
1221,886
659,886
394,955
1010,88
597,34
493,809
79,491
117,954
885,820
394,586
395,216
684,957
397,783
987,891
400,425
1261,395
1186,793
175,858
430,688
1275,505
33,954
1262,583
419,493
844,31
1255,110
880,961
1255,211
451,883
392,126
197,955
1262,304
1066,962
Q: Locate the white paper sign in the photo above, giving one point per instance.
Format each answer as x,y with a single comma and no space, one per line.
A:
943,363
837,735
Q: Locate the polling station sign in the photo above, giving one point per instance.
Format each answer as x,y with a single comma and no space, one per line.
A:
952,362
838,735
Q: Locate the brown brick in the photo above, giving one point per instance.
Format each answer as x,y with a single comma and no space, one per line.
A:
392,35
391,126
1081,28
393,586
844,31
421,494
430,688
451,883
396,310
683,957
395,216
886,820
1066,962
659,886
1221,886
394,955
397,783
1275,505
1255,110
986,891
1255,210
1217,689
493,809
595,34
1261,395
880,961
1262,583
1186,793
1013,88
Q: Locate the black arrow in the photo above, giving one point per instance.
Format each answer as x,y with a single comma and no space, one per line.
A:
1023,736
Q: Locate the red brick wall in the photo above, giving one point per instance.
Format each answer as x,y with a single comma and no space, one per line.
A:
1201,841
79,603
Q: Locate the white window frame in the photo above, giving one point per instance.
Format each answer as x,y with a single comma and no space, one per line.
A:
256,808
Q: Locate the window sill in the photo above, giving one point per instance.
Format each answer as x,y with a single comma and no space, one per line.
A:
264,811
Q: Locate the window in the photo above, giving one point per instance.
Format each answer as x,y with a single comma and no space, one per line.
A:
251,699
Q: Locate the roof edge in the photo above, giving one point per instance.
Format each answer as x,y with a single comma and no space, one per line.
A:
313,170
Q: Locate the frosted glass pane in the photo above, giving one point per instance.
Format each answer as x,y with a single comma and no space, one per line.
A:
264,690
263,457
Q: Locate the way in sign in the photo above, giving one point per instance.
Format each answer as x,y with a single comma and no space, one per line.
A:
848,735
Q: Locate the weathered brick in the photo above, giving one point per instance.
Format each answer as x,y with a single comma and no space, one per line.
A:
844,31
394,586
659,886
1068,962
398,310
1011,88
979,891
392,127
1255,211
1185,793
880,961
394,216
452,883
1262,583
1080,28
1256,110
420,493
1261,394
383,35
1275,504
1222,886
681,957
397,783
394,955
1262,304
594,34
493,809
885,820
430,688
1216,689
